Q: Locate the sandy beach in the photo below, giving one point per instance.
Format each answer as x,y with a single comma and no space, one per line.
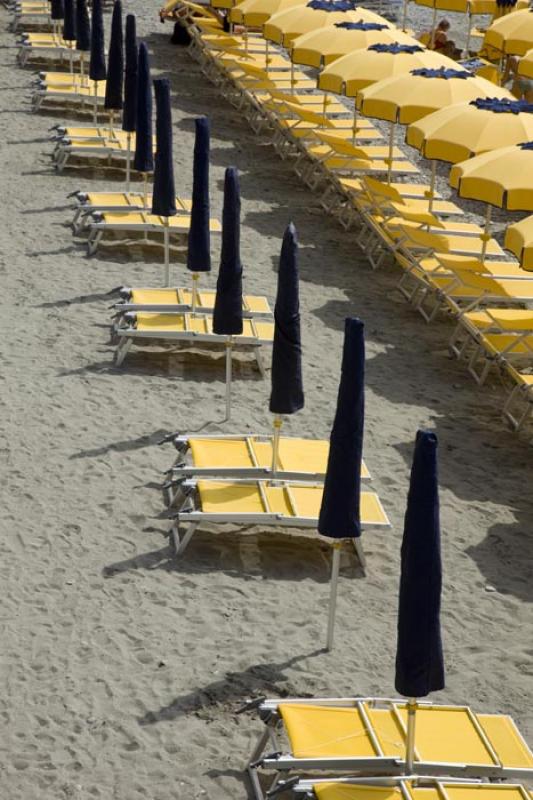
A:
122,668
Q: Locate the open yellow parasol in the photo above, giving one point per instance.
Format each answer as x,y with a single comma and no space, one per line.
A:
353,72
500,178
519,240
285,26
512,34
254,13
321,47
525,66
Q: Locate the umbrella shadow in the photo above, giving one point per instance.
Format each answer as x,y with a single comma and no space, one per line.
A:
234,688
123,446
78,300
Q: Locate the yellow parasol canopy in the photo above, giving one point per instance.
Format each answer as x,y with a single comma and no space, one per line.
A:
519,240
353,72
285,26
502,178
461,131
254,13
512,34
525,66
319,48
410,97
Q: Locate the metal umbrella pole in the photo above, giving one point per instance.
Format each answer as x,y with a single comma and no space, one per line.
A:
229,374
278,422
334,581
410,742
166,237
128,162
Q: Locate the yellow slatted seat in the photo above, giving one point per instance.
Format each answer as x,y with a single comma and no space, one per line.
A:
200,324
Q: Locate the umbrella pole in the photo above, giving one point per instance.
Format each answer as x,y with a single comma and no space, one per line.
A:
410,744
391,150
335,565
128,163
145,190
324,108
229,353
82,70
167,251
195,279
404,15
245,37
432,185
95,115
111,121
485,236
468,32
354,132
292,75
432,40
278,422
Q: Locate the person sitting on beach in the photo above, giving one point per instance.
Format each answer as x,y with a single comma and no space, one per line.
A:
438,39
521,87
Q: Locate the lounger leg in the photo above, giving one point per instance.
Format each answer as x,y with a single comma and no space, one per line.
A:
251,767
259,360
358,547
94,240
516,421
122,350
180,545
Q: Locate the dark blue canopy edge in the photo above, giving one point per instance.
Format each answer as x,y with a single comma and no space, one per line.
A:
144,158
129,112
83,27
199,245
115,62
164,192
97,68
227,315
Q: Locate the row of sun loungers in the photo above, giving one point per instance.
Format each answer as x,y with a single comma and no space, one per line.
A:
362,180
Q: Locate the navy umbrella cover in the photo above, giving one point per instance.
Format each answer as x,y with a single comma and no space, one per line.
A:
227,315
97,68
287,394
129,112
419,656
57,9
199,242
115,62
164,192
340,513
144,158
83,27
69,21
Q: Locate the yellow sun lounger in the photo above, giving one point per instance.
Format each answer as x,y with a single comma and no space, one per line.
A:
122,224
179,299
114,149
254,502
69,93
236,456
368,736
45,45
190,329
97,202
408,789
518,405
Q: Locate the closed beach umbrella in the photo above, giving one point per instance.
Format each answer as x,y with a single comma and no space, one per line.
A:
115,65
320,48
287,395
97,67
164,192
129,113
500,178
227,313
519,240
83,33
57,10
511,34
419,658
199,242
69,22
143,160
340,516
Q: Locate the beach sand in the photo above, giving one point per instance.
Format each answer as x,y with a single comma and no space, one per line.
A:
121,667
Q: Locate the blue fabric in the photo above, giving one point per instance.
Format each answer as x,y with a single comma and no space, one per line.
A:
69,21
445,74
332,5
287,394
130,76
199,245
97,68
419,658
506,3
340,514
396,48
83,27
502,106
526,146
57,9
361,26
143,160
164,191
472,64
115,62
227,313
